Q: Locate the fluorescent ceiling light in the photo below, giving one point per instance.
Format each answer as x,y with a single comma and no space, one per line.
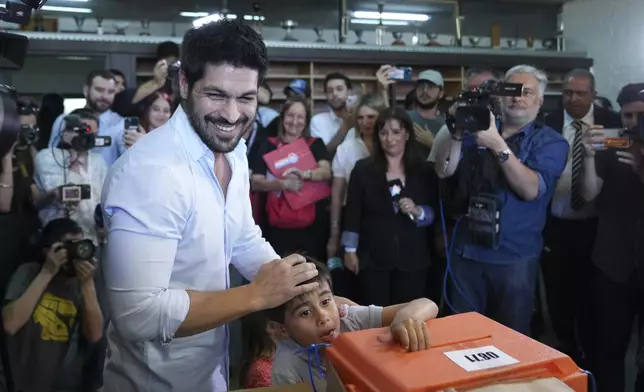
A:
194,14
254,17
390,16
66,9
384,22
74,1
211,18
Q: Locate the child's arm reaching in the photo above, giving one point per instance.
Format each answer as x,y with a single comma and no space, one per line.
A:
407,323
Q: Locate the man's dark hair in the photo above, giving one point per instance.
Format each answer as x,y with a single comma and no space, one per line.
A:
581,73
86,114
56,229
97,73
167,49
223,42
116,72
337,76
630,93
479,70
278,314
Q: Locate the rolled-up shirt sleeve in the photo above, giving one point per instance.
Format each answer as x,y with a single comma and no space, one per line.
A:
251,250
146,211
548,160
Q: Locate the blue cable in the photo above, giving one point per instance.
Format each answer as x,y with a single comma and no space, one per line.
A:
448,253
314,349
592,383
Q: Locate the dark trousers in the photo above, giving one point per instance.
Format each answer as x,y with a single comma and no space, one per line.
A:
567,268
616,305
386,288
503,292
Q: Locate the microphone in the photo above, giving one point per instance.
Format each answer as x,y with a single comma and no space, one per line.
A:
395,189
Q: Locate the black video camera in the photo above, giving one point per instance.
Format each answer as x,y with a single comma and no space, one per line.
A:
475,105
13,50
85,139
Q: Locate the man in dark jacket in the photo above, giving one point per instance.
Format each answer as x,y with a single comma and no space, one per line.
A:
570,233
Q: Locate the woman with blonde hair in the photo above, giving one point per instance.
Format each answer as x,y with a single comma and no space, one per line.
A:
348,153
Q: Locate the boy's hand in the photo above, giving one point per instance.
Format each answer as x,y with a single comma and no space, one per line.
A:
412,335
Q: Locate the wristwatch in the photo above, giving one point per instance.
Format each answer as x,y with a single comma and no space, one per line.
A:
504,155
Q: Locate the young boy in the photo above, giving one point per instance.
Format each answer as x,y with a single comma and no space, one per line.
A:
315,318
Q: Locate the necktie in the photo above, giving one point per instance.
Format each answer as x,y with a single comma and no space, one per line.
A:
576,200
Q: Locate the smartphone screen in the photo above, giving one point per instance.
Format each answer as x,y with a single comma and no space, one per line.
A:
132,123
400,73
616,138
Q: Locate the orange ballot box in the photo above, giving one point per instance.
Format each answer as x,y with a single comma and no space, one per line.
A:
469,351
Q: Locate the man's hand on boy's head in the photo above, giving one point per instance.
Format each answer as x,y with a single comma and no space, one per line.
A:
279,281
412,335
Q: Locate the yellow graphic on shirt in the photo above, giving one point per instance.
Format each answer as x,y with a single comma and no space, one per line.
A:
57,316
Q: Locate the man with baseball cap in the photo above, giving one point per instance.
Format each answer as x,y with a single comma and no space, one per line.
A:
428,93
615,178
299,87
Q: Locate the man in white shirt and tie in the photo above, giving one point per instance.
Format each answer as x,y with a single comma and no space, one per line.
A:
569,235
178,214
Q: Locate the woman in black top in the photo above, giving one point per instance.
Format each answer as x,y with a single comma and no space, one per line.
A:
289,236
390,209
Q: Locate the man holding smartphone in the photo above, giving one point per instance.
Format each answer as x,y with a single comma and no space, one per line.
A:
428,93
614,177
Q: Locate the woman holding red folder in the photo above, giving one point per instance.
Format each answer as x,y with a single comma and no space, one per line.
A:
304,230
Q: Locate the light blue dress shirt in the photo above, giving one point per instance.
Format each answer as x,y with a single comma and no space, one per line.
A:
170,230
110,124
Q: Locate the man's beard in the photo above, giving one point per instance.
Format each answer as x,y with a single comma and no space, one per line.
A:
211,139
94,105
426,105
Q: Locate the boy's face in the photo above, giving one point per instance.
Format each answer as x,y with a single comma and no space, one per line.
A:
313,318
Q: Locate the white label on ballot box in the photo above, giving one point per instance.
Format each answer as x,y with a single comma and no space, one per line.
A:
488,357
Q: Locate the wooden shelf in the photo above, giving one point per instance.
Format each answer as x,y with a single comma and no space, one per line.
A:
313,64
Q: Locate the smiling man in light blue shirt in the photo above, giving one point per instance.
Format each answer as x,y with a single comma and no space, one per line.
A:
178,214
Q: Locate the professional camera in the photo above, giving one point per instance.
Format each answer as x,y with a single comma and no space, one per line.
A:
475,105
85,139
78,250
13,50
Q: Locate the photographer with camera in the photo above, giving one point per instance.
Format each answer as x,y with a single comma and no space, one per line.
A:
52,311
507,173
70,178
99,91
613,176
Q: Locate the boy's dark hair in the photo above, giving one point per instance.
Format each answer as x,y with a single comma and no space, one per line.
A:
338,76
56,229
277,314
223,42
89,80
167,49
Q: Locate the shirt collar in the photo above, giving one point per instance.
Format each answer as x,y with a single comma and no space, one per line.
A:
193,145
588,119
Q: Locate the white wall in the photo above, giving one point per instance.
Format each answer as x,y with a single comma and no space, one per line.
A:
612,33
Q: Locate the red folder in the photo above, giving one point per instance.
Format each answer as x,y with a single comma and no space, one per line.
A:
299,155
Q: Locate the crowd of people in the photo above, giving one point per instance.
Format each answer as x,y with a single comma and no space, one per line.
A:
116,240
